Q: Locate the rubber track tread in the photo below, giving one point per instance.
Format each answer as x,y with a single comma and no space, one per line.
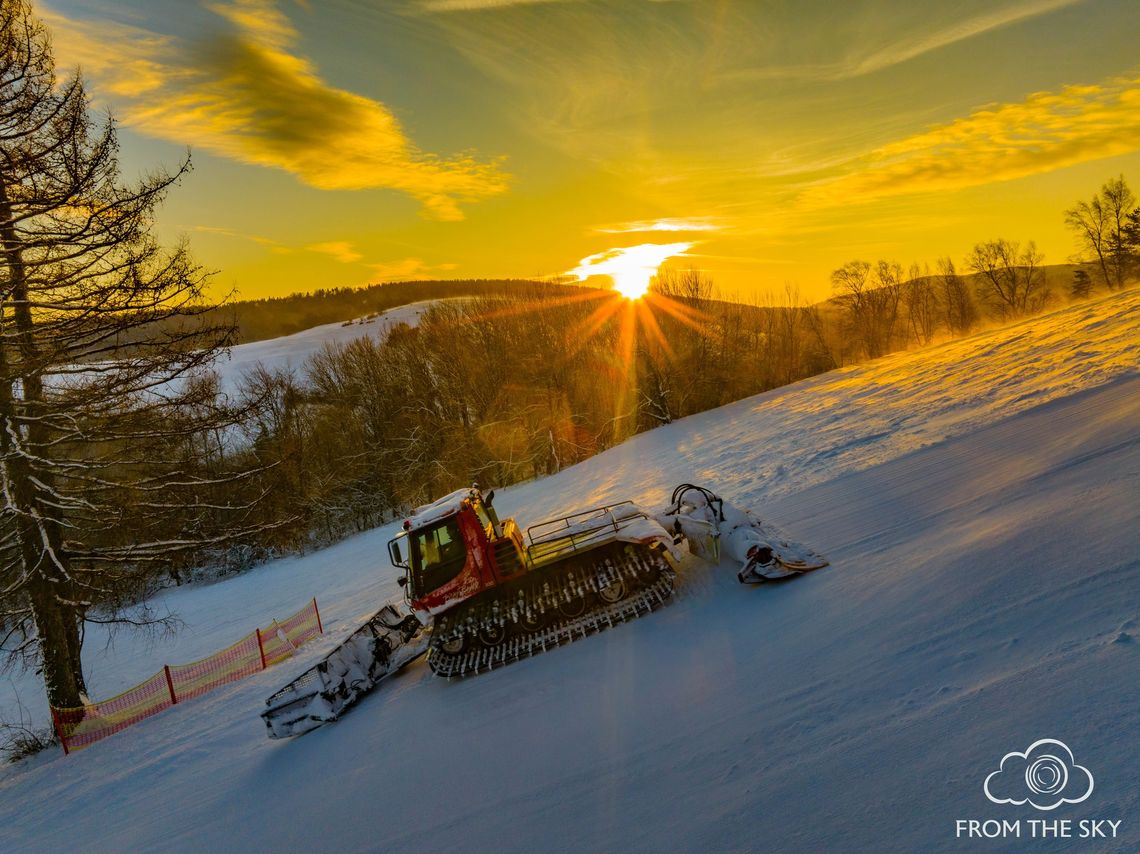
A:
481,658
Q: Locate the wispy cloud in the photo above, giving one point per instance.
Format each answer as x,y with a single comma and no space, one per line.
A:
961,31
408,268
340,250
248,94
1046,131
475,5
698,223
479,5
260,240
906,49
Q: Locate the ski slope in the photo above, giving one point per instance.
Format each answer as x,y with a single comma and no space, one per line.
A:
292,351
978,503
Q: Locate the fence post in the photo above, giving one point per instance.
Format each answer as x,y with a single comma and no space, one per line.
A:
261,648
316,610
58,730
170,685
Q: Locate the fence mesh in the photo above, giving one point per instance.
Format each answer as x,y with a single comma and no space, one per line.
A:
81,727
235,662
282,638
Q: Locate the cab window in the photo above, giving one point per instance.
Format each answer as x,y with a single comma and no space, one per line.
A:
438,555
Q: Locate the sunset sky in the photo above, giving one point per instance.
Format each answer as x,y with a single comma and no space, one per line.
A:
341,142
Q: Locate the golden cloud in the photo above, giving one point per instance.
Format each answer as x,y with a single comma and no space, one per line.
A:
249,96
268,242
1046,131
694,223
340,250
408,268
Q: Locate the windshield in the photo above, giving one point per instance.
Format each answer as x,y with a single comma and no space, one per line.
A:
438,555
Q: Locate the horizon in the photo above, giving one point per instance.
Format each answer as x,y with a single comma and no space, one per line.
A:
358,142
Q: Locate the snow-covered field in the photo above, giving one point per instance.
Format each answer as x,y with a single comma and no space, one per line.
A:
292,351
978,502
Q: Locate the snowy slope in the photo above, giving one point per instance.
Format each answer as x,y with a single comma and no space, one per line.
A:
978,504
292,351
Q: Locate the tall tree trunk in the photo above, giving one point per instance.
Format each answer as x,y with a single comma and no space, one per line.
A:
57,624
50,591
58,635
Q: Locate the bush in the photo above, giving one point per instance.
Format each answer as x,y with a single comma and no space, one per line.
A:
19,741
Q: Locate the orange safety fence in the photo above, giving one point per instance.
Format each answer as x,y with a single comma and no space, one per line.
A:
175,683
236,661
82,727
281,639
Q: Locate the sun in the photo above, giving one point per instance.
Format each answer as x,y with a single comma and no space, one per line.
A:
630,268
632,283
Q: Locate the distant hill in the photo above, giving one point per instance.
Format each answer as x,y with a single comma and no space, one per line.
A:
277,317
274,317
257,320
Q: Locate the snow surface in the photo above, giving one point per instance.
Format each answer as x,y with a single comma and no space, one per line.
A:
978,504
292,351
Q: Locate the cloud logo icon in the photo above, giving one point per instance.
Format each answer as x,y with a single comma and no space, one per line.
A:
1044,776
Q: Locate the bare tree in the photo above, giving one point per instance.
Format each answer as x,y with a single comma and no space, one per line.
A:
690,284
870,297
103,418
785,335
1101,226
1120,203
921,305
1009,279
960,313
654,391
1090,222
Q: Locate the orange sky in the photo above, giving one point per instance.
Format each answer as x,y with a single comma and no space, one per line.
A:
343,142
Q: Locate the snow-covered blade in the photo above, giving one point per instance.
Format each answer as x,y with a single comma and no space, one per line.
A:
388,641
712,525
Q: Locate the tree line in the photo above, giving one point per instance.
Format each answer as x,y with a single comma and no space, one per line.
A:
273,317
882,307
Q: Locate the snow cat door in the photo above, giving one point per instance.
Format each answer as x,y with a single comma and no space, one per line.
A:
442,571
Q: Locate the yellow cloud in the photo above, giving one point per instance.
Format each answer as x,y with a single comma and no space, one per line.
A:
341,250
249,96
407,268
694,223
1046,131
238,235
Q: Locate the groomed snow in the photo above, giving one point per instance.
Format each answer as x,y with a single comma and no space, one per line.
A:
292,351
977,502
